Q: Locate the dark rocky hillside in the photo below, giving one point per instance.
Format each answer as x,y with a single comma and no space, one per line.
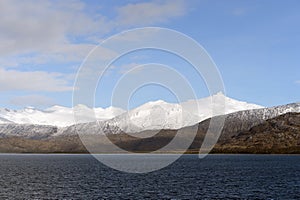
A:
277,135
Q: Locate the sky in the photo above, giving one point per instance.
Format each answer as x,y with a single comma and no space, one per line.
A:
254,44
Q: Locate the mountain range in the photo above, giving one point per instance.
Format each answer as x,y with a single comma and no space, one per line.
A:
151,115
54,129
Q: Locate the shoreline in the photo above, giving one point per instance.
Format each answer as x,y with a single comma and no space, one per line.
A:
140,153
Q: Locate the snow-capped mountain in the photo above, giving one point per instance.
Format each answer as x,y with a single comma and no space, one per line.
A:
56,116
162,115
235,121
5,121
27,131
217,104
244,120
152,115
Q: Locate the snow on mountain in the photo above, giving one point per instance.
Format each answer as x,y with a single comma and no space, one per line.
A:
244,120
5,121
150,116
56,116
240,120
211,106
162,115
156,115
27,131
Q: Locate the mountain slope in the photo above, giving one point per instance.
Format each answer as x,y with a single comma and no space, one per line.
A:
29,131
276,135
244,120
5,121
234,122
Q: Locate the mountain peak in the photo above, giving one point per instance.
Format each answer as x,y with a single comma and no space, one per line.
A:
157,102
220,93
150,104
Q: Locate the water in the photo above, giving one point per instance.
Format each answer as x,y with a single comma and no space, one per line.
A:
215,177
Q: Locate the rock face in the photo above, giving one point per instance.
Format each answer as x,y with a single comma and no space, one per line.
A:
28,131
277,135
244,120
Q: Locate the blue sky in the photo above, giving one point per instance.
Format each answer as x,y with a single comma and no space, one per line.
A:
255,45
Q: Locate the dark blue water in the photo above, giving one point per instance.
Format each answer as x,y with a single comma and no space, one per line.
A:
215,177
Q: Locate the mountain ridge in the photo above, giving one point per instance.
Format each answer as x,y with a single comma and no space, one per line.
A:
240,120
280,134
152,115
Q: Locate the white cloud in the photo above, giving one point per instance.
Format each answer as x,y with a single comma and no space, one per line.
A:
297,82
149,13
12,80
47,28
32,100
33,26
46,32
50,28
61,54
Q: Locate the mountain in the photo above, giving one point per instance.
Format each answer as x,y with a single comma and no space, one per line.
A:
244,120
153,116
158,115
55,116
235,123
203,107
29,131
150,116
248,128
280,134
5,121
